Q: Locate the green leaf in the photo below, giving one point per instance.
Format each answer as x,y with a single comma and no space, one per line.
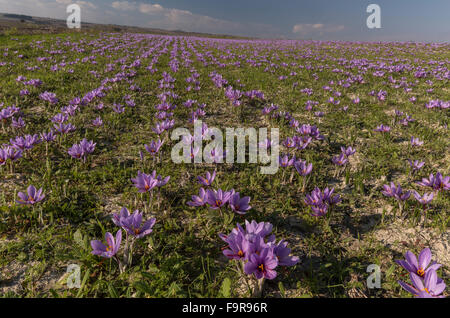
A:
390,271
173,289
282,290
143,287
113,291
225,289
54,293
85,277
78,238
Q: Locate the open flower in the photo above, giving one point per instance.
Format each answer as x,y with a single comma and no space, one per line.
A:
424,199
238,204
198,200
430,287
262,264
303,168
111,247
144,182
208,179
282,252
420,267
217,199
31,197
153,147
134,226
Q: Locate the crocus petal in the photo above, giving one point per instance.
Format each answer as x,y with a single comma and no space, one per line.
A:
424,258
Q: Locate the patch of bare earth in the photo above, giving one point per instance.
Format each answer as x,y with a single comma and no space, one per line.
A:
400,238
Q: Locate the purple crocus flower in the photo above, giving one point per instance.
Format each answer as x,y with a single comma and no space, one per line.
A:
19,123
208,179
64,128
319,210
282,252
76,151
419,267
340,160
261,229
285,161
153,147
32,196
144,182
48,137
134,226
111,247
383,128
238,204
118,108
424,199
217,199
437,182
303,168
8,152
161,181
289,142
237,246
198,200
60,118
392,190
416,142
262,265
430,287
416,164
117,218
97,122
349,151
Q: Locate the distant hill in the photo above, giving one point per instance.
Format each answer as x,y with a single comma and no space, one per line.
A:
23,24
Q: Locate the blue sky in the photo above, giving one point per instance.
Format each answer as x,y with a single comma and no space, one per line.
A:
401,20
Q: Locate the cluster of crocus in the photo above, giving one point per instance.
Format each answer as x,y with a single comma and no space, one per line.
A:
422,272
132,223
49,97
133,226
403,121
320,201
81,150
437,183
25,143
217,199
396,192
311,131
9,153
146,182
382,128
256,251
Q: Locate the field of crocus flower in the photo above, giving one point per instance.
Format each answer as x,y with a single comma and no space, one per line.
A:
87,178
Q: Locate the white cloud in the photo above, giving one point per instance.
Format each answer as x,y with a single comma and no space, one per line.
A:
124,5
150,8
305,29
